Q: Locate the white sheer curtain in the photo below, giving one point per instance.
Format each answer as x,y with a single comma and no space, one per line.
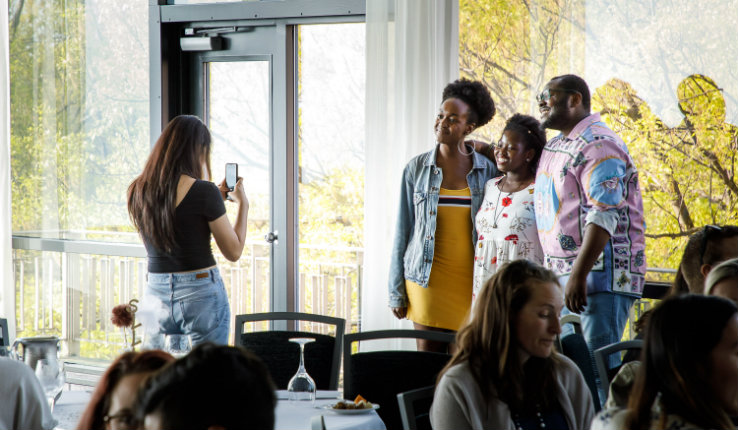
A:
412,53
7,286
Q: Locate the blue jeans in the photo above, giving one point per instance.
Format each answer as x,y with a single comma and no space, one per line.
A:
196,304
603,322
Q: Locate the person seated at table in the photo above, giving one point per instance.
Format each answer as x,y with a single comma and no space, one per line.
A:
706,248
111,404
722,281
689,374
214,386
505,373
23,404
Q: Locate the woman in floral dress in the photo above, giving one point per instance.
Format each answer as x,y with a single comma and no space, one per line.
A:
506,223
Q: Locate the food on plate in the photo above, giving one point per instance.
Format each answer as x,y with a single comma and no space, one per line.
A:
358,403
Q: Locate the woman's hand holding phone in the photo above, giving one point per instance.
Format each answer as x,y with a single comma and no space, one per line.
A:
238,195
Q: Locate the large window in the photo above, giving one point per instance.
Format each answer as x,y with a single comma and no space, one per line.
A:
81,131
79,134
663,75
331,169
80,115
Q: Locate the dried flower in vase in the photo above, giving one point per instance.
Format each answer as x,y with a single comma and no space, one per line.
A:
124,316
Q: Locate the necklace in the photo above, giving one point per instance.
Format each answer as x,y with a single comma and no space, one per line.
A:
519,425
497,206
509,195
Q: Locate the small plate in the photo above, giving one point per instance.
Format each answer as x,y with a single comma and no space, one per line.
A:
350,411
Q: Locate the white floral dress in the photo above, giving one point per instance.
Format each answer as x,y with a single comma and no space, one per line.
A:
506,225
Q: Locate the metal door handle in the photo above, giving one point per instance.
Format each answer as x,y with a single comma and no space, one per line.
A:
272,236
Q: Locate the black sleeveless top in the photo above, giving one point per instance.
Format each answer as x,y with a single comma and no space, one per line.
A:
202,203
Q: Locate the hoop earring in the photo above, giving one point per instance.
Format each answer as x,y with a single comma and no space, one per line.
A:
462,152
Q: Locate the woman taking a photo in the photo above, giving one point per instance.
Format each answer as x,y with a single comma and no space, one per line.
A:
433,253
506,223
688,378
505,373
175,208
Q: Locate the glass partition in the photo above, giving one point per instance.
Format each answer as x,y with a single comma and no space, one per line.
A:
331,86
79,79
663,75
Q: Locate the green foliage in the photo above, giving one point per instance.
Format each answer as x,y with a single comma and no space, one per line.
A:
687,172
514,47
332,208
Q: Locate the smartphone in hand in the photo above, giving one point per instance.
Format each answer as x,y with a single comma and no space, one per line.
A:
231,175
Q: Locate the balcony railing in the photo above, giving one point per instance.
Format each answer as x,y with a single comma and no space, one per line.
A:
70,293
69,289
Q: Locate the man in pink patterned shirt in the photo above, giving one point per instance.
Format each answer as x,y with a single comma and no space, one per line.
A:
589,213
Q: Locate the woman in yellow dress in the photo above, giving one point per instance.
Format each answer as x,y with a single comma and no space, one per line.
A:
433,252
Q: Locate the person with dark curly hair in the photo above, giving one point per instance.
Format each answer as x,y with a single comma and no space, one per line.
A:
506,223
433,253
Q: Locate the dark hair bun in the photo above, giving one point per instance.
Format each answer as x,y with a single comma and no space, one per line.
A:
474,94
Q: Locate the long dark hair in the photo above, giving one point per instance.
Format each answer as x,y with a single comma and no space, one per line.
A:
487,342
680,334
128,363
181,149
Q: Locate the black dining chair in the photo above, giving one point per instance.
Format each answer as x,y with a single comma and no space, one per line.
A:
574,346
379,376
415,408
4,337
282,357
602,355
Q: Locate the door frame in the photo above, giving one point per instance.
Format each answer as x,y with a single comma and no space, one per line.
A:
172,94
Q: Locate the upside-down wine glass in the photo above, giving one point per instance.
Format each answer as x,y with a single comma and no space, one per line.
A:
178,345
301,387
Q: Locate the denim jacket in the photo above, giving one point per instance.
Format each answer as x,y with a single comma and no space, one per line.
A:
412,251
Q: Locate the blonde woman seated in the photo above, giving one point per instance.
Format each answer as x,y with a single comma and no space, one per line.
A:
505,373
689,375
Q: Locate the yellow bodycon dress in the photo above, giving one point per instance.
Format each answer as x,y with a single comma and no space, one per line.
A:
447,299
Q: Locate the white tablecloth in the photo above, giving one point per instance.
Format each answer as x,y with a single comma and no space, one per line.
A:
289,416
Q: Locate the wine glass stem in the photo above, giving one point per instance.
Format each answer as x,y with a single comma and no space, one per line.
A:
302,356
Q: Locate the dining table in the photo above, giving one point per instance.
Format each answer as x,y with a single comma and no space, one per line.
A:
289,415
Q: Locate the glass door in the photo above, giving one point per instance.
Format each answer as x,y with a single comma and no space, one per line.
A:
238,115
240,91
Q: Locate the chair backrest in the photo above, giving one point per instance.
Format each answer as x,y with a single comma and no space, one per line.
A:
573,319
379,376
282,357
602,356
4,338
575,347
415,408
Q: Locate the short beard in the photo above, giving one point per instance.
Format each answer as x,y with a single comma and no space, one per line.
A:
555,117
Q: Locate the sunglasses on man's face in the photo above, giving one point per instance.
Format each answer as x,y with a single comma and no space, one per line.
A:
546,94
708,232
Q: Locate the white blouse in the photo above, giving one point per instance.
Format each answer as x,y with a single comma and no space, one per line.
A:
506,225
